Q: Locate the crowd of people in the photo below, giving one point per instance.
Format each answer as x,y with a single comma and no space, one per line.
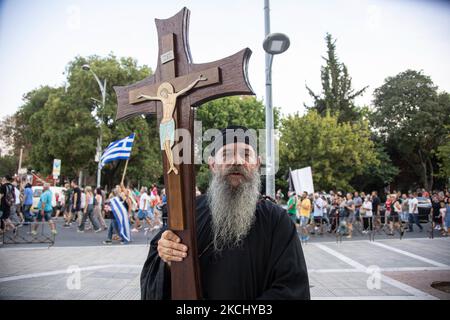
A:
333,212
339,213
84,207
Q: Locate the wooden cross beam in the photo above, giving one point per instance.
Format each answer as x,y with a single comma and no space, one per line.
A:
220,78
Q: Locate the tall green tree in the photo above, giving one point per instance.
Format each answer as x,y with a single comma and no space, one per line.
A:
337,94
443,155
412,118
336,152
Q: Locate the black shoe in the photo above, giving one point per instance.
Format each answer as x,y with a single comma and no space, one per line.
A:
107,242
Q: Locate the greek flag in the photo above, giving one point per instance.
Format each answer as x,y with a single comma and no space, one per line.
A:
121,215
117,150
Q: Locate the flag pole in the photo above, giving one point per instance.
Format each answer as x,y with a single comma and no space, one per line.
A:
124,172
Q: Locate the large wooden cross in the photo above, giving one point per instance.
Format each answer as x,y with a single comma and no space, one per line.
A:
224,77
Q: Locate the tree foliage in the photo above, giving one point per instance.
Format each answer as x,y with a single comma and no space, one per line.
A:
337,94
411,118
336,152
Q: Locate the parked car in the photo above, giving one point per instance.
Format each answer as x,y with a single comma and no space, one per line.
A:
37,192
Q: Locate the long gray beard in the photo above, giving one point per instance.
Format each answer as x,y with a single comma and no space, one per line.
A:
232,208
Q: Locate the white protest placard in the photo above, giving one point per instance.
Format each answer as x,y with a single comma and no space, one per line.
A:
303,180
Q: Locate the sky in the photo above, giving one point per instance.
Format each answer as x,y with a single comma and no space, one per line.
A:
375,39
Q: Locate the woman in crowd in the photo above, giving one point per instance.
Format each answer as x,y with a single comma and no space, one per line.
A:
89,212
366,214
98,205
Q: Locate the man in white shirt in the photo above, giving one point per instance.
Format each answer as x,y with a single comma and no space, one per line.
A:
144,210
413,212
319,205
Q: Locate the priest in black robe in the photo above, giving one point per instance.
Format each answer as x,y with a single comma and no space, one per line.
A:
248,246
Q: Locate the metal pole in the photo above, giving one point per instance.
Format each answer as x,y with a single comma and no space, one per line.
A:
270,160
103,91
99,170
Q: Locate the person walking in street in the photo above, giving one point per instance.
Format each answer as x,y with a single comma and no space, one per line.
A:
27,204
304,208
413,212
144,210
45,210
292,207
7,200
98,208
88,211
395,221
76,204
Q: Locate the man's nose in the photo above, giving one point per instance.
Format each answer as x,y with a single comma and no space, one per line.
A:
238,160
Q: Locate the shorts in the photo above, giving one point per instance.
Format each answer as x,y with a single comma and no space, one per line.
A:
303,221
394,216
293,218
318,220
142,214
47,216
350,218
75,210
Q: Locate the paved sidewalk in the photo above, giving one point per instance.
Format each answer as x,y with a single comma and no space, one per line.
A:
386,269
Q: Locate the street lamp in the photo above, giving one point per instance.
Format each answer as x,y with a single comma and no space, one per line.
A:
274,43
102,86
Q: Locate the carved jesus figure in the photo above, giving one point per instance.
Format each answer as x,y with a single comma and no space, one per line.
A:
168,97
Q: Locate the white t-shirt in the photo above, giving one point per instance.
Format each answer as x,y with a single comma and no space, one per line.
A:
144,201
17,194
83,200
319,205
411,204
367,205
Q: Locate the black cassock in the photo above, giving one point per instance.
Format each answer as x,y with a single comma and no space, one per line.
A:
268,265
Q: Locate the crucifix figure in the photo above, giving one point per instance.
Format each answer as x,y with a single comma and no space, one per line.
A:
168,98
225,77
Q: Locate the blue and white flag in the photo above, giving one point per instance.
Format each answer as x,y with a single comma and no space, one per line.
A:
117,150
121,215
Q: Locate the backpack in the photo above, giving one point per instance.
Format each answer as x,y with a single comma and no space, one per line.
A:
10,196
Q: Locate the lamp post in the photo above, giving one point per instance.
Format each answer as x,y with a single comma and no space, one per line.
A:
274,43
102,86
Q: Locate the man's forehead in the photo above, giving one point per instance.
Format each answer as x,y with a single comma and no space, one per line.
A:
240,146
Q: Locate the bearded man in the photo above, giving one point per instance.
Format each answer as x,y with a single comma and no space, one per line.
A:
248,246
